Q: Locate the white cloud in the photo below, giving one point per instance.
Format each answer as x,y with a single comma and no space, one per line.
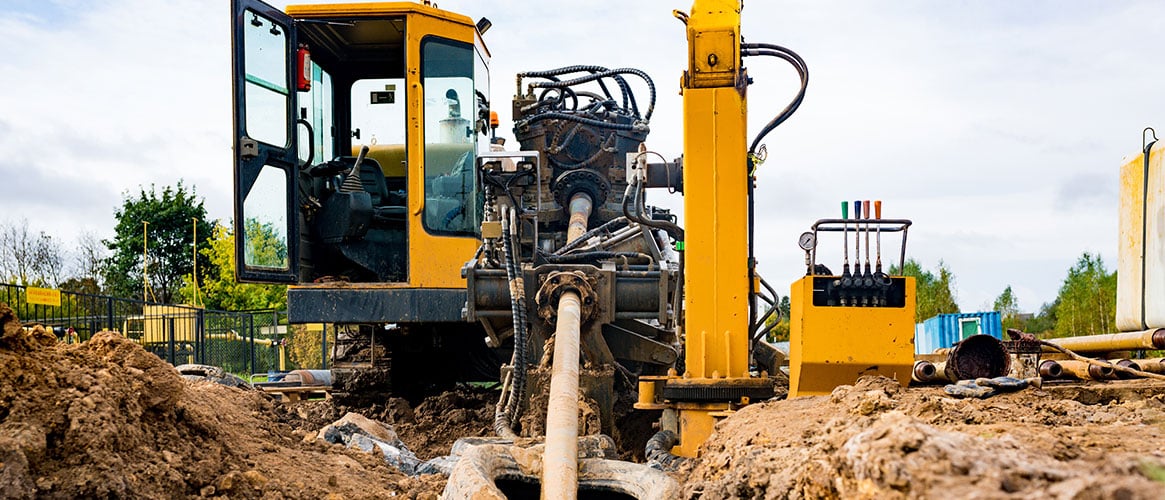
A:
996,126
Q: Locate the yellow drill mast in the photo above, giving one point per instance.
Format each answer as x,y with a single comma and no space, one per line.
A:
716,179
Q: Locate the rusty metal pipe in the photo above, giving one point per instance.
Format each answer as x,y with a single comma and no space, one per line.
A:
977,356
1109,342
1152,365
926,372
580,212
1086,371
560,458
1126,363
1051,369
923,372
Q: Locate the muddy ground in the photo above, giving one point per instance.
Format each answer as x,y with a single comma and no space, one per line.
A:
106,419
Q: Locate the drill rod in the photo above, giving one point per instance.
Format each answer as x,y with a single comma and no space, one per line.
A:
560,457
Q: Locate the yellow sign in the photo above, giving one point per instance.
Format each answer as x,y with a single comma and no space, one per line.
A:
44,296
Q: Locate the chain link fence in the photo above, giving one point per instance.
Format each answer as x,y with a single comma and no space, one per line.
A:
245,343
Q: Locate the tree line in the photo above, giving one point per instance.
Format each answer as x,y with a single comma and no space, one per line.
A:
1084,305
151,256
165,221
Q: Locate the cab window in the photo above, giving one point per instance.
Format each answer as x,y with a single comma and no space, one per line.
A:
451,204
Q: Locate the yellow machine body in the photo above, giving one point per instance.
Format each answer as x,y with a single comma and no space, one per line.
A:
834,345
434,260
716,277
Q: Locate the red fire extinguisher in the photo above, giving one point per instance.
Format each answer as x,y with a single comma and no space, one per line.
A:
303,64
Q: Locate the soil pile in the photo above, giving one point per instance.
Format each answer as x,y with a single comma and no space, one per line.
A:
875,440
107,419
428,430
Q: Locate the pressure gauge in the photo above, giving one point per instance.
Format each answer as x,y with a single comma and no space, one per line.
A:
807,241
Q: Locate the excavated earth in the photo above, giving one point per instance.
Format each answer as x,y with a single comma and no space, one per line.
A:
877,440
106,419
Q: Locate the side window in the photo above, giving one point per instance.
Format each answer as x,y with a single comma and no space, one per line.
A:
316,107
265,222
451,201
265,88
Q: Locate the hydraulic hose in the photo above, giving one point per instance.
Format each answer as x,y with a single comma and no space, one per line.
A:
609,73
606,227
658,451
508,410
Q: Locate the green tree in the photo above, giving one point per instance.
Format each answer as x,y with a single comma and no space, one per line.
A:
1008,307
171,216
1045,320
1087,299
219,290
935,294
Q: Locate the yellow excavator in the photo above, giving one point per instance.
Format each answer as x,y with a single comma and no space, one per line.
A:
367,177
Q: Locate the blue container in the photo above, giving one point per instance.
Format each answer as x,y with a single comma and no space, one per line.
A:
946,329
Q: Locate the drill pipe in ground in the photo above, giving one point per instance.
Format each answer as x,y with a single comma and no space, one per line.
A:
1085,371
1051,369
1109,342
560,459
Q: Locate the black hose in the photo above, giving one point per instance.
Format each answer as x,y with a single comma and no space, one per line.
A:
506,416
583,120
610,73
606,227
658,451
673,230
583,257
765,49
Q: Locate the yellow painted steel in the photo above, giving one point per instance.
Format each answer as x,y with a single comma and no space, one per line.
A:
374,9
834,345
716,322
434,261
715,198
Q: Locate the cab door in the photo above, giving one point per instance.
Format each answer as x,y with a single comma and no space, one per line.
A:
266,222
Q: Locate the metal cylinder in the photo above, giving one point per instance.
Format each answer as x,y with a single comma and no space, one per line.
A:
310,377
580,212
1152,365
1084,370
1109,342
924,372
977,356
1125,363
560,458
1051,369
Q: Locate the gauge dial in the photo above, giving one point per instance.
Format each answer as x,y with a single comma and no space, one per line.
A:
807,241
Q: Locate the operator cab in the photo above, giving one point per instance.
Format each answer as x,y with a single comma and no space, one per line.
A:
313,88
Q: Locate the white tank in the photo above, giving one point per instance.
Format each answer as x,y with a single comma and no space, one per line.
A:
1140,296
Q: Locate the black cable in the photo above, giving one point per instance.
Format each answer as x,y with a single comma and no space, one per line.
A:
608,226
573,118
673,230
583,257
765,49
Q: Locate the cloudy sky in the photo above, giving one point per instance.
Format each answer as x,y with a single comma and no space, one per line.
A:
997,126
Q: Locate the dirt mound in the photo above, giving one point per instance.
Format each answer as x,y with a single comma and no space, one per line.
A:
107,419
428,430
875,440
